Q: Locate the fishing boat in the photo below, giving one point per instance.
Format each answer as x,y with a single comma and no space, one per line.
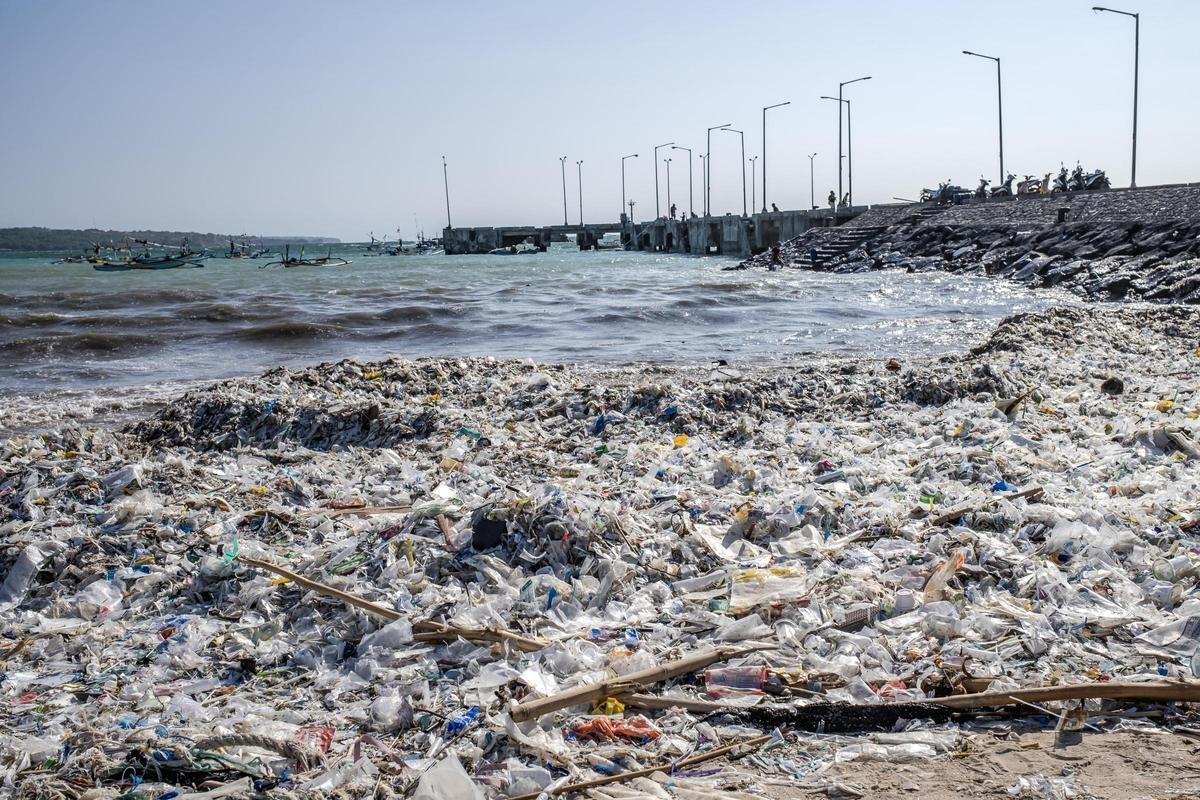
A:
526,248
376,247
328,260
110,250
245,250
185,258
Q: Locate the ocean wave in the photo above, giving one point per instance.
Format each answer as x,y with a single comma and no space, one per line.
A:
289,329
67,344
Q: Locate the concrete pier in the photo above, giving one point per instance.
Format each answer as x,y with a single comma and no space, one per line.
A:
477,241
730,235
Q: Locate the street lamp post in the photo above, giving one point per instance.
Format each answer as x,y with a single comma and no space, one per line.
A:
999,105
842,85
446,182
657,211
812,195
691,206
1137,25
704,182
562,162
764,147
708,166
753,181
743,135
667,161
631,155
579,166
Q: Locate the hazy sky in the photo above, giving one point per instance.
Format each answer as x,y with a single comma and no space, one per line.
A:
331,118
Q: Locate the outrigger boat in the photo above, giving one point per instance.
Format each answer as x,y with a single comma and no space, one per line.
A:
375,248
93,253
327,261
244,250
185,258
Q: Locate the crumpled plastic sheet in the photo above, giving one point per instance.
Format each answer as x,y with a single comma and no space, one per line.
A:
626,516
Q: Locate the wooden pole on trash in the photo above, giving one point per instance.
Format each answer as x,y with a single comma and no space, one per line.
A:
625,684
953,514
695,758
424,630
1187,691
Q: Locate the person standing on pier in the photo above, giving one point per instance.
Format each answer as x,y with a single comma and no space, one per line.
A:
832,200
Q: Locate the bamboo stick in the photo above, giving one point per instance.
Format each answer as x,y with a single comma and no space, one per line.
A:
625,684
1178,690
658,702
955,513
360,511
424,630
640,773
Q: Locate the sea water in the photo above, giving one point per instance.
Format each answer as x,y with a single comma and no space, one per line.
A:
68,331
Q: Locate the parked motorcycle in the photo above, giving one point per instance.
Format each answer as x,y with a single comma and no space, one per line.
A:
1076,182
1005,189
1062,181
1031,185
946,194
982,192
1096,180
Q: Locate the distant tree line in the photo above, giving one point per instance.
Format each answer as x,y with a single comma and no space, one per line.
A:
66,240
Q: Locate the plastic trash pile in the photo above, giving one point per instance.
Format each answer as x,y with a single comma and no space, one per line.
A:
1022,515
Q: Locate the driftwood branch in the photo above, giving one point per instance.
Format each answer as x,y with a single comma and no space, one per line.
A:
640,773
1177,690
625,684
423,631
1163,691
953,514
358,511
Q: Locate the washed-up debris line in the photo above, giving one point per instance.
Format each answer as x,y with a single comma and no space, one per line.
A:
458,578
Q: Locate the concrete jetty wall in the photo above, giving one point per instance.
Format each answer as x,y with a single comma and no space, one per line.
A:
730,235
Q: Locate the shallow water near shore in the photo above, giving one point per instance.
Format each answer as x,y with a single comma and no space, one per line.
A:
69,331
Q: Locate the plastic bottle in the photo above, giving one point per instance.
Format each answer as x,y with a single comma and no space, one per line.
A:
720,682
457,724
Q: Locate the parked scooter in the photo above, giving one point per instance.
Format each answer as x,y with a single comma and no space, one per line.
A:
1062,181
1005,189
946,194
1096,180
1031,185
982,192
1075,184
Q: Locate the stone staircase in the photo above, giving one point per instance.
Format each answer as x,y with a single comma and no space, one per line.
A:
926,211
830,243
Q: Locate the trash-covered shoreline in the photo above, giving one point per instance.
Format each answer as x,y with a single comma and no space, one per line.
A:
478,578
